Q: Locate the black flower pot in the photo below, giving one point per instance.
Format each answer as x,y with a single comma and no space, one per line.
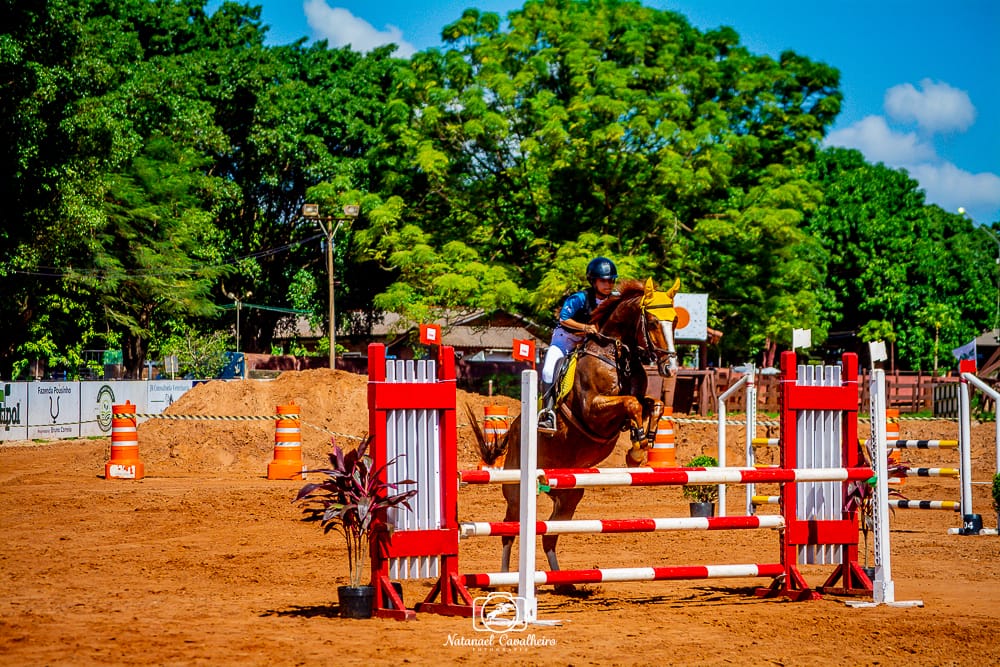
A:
356,601
704,509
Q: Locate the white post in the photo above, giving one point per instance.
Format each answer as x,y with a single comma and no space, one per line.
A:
989,391
721,411
529,489
884,589
751,431
965,445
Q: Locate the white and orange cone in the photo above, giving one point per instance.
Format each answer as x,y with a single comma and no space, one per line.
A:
663,453
891,436
287,463
124,463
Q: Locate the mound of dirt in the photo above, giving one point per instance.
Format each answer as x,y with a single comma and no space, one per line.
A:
333,406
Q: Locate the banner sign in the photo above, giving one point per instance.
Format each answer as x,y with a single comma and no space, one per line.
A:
524,350
430,334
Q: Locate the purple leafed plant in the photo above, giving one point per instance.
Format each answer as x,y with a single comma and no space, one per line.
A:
350,499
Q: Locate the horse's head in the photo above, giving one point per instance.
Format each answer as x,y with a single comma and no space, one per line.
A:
659,319
642,317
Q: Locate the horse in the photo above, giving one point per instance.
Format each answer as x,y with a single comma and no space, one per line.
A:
608,396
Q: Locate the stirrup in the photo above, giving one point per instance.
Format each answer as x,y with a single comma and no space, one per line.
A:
547,421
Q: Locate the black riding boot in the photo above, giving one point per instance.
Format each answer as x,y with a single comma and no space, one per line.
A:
547,416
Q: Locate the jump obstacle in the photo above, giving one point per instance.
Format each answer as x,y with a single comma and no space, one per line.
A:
412,416
971,522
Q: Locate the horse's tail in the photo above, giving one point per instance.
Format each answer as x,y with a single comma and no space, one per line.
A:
489,452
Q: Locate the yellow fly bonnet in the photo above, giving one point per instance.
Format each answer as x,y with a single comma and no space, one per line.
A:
660,304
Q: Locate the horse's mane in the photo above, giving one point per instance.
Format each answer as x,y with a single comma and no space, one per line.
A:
626,289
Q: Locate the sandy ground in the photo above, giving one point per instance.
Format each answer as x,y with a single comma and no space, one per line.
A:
205,561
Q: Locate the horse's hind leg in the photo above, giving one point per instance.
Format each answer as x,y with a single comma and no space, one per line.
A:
512,493
564,504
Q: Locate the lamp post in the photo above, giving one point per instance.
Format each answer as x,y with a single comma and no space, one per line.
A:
239,306
326,225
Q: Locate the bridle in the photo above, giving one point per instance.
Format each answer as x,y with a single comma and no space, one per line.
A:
646,352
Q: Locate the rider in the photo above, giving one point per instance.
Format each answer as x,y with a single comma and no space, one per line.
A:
574,325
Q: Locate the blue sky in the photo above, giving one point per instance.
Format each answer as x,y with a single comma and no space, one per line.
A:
921,79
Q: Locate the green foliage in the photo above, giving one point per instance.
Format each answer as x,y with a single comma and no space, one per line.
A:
199,355
157,149
896,260
701,493
433,281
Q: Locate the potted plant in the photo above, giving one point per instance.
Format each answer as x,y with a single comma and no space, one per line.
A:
349,500
702,497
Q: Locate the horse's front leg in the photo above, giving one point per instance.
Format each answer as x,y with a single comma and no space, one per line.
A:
654,408
610,409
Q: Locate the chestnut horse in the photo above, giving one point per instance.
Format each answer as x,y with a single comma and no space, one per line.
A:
608,396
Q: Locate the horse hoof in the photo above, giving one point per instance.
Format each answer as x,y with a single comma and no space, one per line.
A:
565,589
630,458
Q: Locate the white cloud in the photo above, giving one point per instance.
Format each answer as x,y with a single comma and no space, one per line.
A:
936,108
950,187
943,183
879,143
340,27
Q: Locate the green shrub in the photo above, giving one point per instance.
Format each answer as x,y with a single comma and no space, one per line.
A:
702,493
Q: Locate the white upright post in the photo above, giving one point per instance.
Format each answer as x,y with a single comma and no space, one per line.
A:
965,447
751,431
965,425
884,589
529,489
721,411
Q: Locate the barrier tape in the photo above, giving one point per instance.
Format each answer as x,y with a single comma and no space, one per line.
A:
129,415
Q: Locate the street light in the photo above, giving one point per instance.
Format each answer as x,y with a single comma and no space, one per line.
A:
325,224
239,306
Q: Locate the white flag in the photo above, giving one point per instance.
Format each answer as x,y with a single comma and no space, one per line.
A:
967,351
801,338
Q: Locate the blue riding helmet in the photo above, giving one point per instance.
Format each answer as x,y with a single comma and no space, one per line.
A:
601,267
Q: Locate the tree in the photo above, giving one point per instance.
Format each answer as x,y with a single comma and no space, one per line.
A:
891,255
937,316
603,117
765,274
148,256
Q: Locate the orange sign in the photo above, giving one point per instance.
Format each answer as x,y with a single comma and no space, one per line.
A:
430,334
524,350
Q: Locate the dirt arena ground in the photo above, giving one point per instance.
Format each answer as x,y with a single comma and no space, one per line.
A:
205,562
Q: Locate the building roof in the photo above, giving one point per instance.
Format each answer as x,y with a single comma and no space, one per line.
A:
478,330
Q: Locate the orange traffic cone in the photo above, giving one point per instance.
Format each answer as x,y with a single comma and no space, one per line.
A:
494,431
891,436
124,463
287,463
663,453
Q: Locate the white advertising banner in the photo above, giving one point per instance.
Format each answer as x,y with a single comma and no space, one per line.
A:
59,410
97,399
160,394
14,411
53,410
